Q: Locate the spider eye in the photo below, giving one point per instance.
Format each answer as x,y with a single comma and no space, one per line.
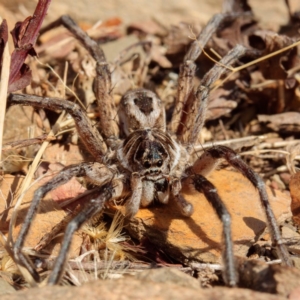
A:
159,163
147,164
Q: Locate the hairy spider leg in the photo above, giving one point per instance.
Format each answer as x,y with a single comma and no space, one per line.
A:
96,172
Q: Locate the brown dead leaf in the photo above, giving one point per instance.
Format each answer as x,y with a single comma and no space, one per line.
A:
277,66
295,194
281,119
59,42
220,107
288,121
233,33
236,29
148,27
178,39
219,104
158,55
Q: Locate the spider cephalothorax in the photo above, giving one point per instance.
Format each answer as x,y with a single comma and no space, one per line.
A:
149,152
141,109
138,158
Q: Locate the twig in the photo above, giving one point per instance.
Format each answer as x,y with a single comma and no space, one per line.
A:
233,142
27,142
113,265
201,266
3,88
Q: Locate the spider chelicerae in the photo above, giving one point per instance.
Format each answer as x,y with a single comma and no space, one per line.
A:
153,159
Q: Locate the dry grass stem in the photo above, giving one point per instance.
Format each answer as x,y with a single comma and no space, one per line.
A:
3,90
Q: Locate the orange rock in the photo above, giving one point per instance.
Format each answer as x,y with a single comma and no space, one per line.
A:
199,237
49,215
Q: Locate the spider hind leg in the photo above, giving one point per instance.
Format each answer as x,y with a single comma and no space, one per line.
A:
204,186
216,153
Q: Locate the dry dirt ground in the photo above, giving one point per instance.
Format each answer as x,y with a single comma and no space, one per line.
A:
171,284
166,12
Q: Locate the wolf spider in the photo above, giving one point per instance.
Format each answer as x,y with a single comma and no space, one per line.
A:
152,161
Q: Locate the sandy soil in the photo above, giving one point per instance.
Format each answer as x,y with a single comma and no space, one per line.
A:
166,12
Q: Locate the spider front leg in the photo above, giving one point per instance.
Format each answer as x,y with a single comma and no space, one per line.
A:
194,114
88,133
96,172
108,118
207,162
92,208
188,69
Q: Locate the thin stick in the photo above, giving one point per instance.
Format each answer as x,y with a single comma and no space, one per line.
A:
26,142
105,265
245,140
3,89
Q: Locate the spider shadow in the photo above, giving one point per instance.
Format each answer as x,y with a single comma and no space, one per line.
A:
256,225
165,220
161,221
46,205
